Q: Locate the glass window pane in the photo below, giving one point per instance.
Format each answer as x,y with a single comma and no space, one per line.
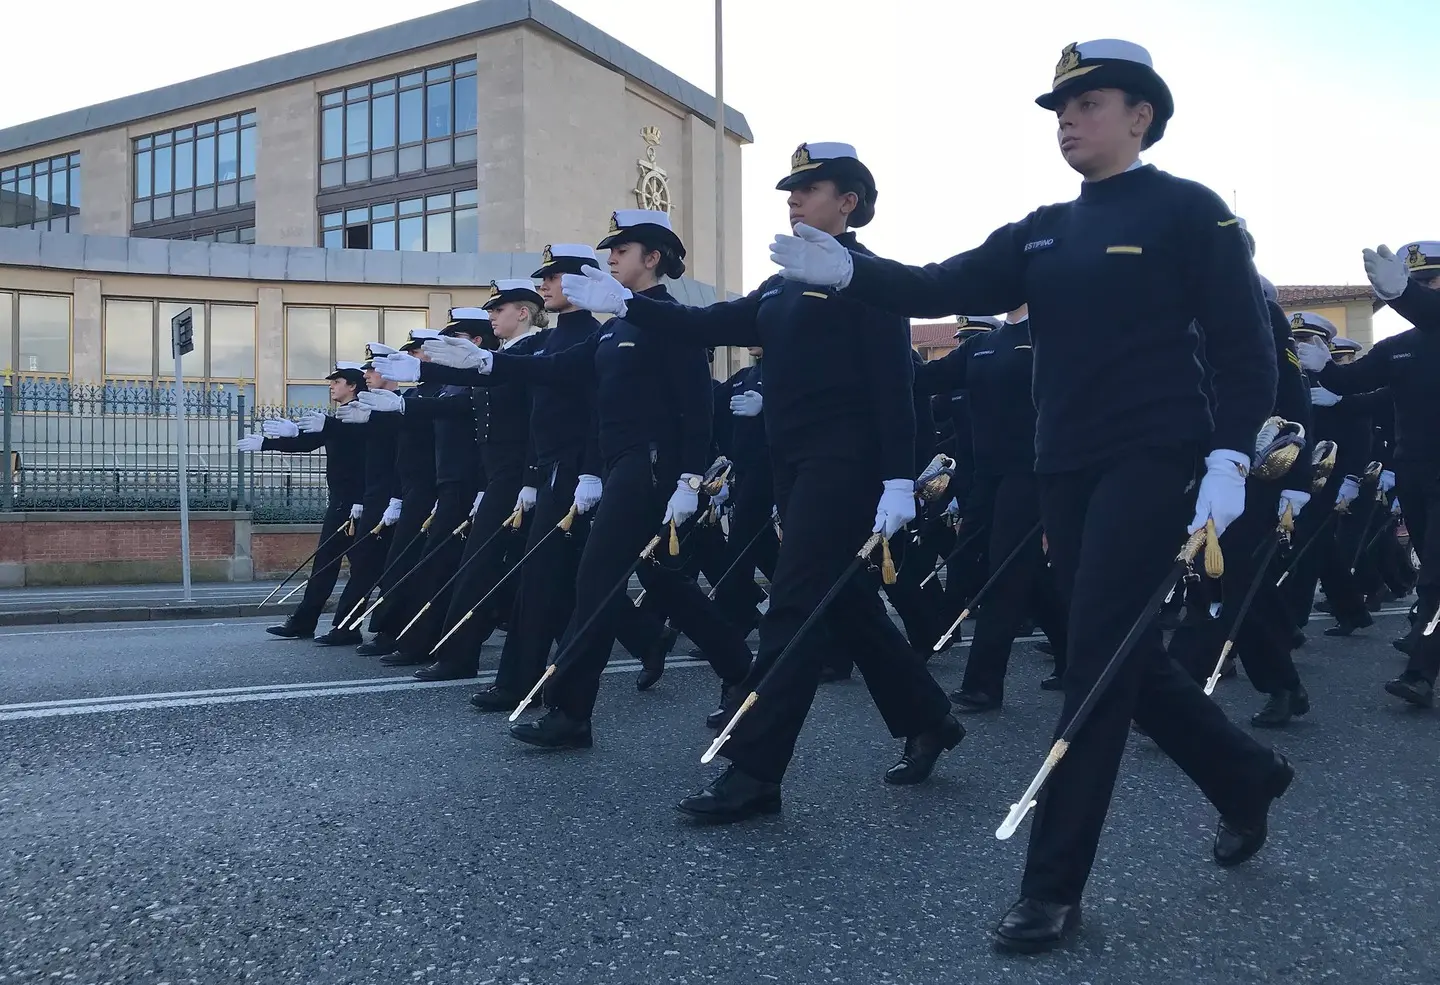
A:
185,133
229,123
467,196
42,196
59,192
400,321
332,99
382,235
357,129
465,149
247,234
333,239
142,212
248,147
184,166
161,139
232,342
412,234
332,175
205,200
382,165
357,92
184,203
330,220
384,85
162,170
307,343
168,310
412,159
357,170
206,128
143,143
247,191
332,131
225,196
437,73
467,231
467,67
44,333
354,329
247,119
436,202
357,216
412,206
205,161
7,330
413,79
437,233
161,208
466,93
437,154
412,116
437,110
142,174
75,187
229,153
382,117
303,395
129,338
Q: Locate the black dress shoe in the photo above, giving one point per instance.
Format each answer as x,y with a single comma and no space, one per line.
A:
1238,839
1280,707
732,796
381,646
731,696
1413,688
340,637
1053,683
1033,925
289,631
495,698
402,659
652,664
554,730
444,672
970,702
917,762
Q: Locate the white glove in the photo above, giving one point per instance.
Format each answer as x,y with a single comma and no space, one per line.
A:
684,502
1387,481
391,514
1313,355
352,413
384,401
1395,507
475,506
747,404
1222,491
357,511
720,498
525,502
1387,272
896,507
1293,498
458,353
812,257
251,442
312,422
278,427
953,507
1349,489
398,366
1321,397
587,493
596,290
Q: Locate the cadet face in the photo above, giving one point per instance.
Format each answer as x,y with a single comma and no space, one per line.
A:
342,391
1097,131
1430,280
374,380
553,295
630,264
820,204
508,319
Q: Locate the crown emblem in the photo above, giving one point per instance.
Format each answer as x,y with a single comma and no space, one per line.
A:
614,222
1069,60
651,135
494,287
547,257
1297,320
1413,256
962,321
801,157
369,353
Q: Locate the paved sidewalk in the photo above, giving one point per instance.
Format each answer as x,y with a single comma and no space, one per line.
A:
43,605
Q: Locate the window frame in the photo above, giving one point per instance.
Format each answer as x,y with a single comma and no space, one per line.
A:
343,219
159,354
27,172
191,136
384,331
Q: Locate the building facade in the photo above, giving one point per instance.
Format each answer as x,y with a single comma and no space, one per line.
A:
308,203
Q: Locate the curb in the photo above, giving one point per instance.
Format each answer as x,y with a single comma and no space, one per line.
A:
142,613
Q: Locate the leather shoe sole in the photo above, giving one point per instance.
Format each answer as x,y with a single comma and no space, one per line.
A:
1252,839
439,672
1036,943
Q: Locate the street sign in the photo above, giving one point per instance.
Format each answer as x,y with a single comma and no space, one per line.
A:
182,334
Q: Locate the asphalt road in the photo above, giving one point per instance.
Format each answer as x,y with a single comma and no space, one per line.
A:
193,802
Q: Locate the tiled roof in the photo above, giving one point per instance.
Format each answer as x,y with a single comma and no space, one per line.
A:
932,333
1319,294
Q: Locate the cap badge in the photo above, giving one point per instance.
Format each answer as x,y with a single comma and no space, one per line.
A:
801,158
961,322
1297,320
614,222
369,354
1069,60
547,257
1413,257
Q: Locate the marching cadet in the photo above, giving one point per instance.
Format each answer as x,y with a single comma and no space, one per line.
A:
653,399
415,466
459,479
993,368
344,446
1408,364
965,570
841,436
1116,281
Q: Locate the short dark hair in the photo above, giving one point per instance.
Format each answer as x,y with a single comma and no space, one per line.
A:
1157,126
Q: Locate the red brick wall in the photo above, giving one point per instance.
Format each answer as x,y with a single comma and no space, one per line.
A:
61,541
276,554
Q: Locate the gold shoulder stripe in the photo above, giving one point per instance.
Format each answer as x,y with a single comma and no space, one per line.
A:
1292,357
815,294
1228,222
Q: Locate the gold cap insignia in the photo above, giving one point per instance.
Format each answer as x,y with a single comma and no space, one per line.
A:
1069,60
1413,256
1297,320
368,353
547,257
614,222
961,322
800,159
494,288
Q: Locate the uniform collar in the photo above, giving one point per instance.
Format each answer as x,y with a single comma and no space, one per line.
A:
1118,186
509,343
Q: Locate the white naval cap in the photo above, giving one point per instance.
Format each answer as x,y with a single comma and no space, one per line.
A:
1342,344
832,160
566,258
1110,63
512,289
1423,256
976,323
651,229
373,349
1309,323
418,337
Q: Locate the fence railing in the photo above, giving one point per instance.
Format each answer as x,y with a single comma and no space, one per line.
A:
112,446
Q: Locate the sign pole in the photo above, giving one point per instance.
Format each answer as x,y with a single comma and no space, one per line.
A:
182,340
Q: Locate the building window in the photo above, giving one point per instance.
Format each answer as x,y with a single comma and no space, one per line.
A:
42,195
36,332
196,170
402,125
137,340
315,337
209,234
441,223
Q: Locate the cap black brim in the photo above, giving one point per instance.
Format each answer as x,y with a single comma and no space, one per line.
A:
565,265
834,169
1132,77
649,235
505,297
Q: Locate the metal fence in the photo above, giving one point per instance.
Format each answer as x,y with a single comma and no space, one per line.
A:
112,446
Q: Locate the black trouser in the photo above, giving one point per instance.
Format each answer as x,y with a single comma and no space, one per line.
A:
1014,518
827,509
479,574
443,548
367,559
1340,584
1418,486
752,545
545,595
966,571
1263,641
1113,531
629,514
407,544
1299,589
324,569
921,609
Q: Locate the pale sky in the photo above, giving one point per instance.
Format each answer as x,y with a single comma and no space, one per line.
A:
1319,118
